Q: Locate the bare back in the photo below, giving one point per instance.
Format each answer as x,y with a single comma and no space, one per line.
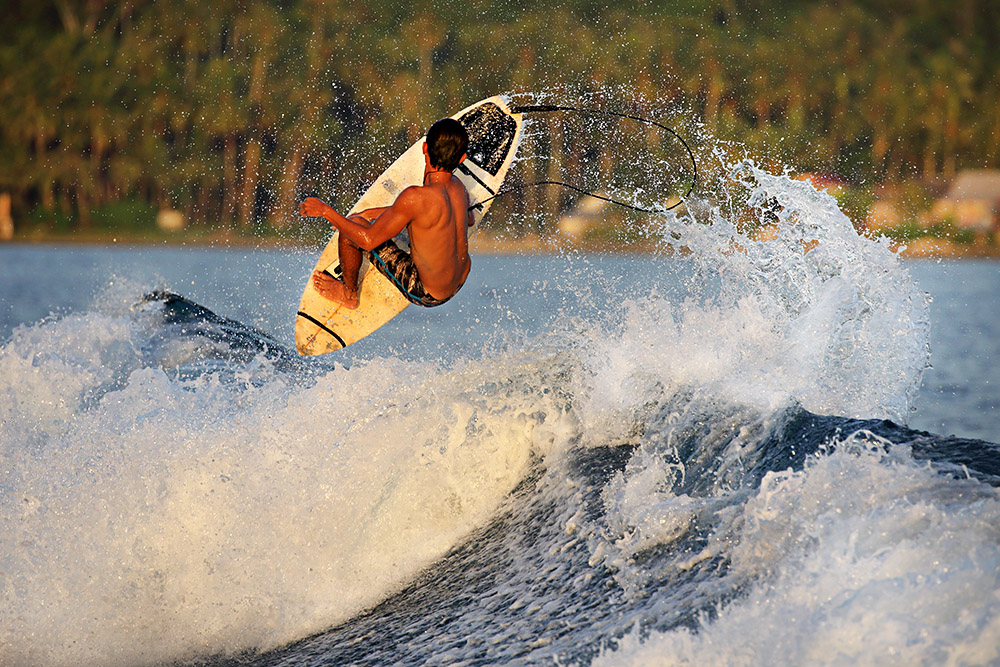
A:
439,239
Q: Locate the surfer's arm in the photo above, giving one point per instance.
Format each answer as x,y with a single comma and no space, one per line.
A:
368,237
370,214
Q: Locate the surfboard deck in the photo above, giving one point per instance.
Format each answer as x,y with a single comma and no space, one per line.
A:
322,325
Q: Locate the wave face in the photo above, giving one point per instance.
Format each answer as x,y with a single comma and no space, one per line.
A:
704,465
178,485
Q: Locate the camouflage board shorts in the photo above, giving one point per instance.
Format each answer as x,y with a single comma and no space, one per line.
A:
396,264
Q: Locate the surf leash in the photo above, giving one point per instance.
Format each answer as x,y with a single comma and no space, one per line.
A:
551,108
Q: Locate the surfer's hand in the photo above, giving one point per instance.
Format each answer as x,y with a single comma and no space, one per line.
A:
312,207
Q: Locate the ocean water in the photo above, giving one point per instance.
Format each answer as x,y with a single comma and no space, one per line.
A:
742,453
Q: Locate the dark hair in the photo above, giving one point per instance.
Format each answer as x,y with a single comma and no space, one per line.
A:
446,143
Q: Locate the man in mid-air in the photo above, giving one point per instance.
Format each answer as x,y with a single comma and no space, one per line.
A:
437,215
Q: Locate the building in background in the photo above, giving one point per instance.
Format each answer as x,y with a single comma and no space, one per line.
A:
587,214
972,201
6,221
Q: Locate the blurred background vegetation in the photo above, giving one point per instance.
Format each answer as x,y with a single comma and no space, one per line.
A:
230,111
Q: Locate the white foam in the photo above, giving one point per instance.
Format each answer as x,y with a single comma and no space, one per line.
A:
840,329
149,518
864,557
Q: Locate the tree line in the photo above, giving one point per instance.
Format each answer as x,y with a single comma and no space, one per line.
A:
230,110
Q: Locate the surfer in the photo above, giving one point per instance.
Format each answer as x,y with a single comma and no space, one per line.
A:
436,216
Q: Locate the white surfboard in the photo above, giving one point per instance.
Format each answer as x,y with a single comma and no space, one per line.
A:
322,325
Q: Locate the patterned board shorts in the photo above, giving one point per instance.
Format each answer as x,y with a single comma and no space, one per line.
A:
396,264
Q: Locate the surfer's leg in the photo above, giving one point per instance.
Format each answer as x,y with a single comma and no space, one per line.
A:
397,265
350,263
334,290
344,291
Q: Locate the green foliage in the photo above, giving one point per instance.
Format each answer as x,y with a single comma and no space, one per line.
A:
943,229
613,231
129,214
908,231
938,231
53,221
914,198
855,201
232,110
963,235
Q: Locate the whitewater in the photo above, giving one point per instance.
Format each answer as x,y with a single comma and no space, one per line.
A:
696,457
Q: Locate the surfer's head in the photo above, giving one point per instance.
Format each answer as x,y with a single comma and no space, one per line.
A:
446,143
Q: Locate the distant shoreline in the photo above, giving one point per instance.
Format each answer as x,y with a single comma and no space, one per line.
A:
925,248
154,239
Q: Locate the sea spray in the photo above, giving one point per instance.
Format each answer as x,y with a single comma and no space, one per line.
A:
817,314
639,459
152,514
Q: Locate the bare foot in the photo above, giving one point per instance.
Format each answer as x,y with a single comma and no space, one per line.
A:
334,290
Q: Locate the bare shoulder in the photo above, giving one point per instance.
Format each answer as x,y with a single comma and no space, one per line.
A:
411,196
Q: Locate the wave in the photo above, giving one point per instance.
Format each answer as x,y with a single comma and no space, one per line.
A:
722,476
135,471
203,334
617,553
